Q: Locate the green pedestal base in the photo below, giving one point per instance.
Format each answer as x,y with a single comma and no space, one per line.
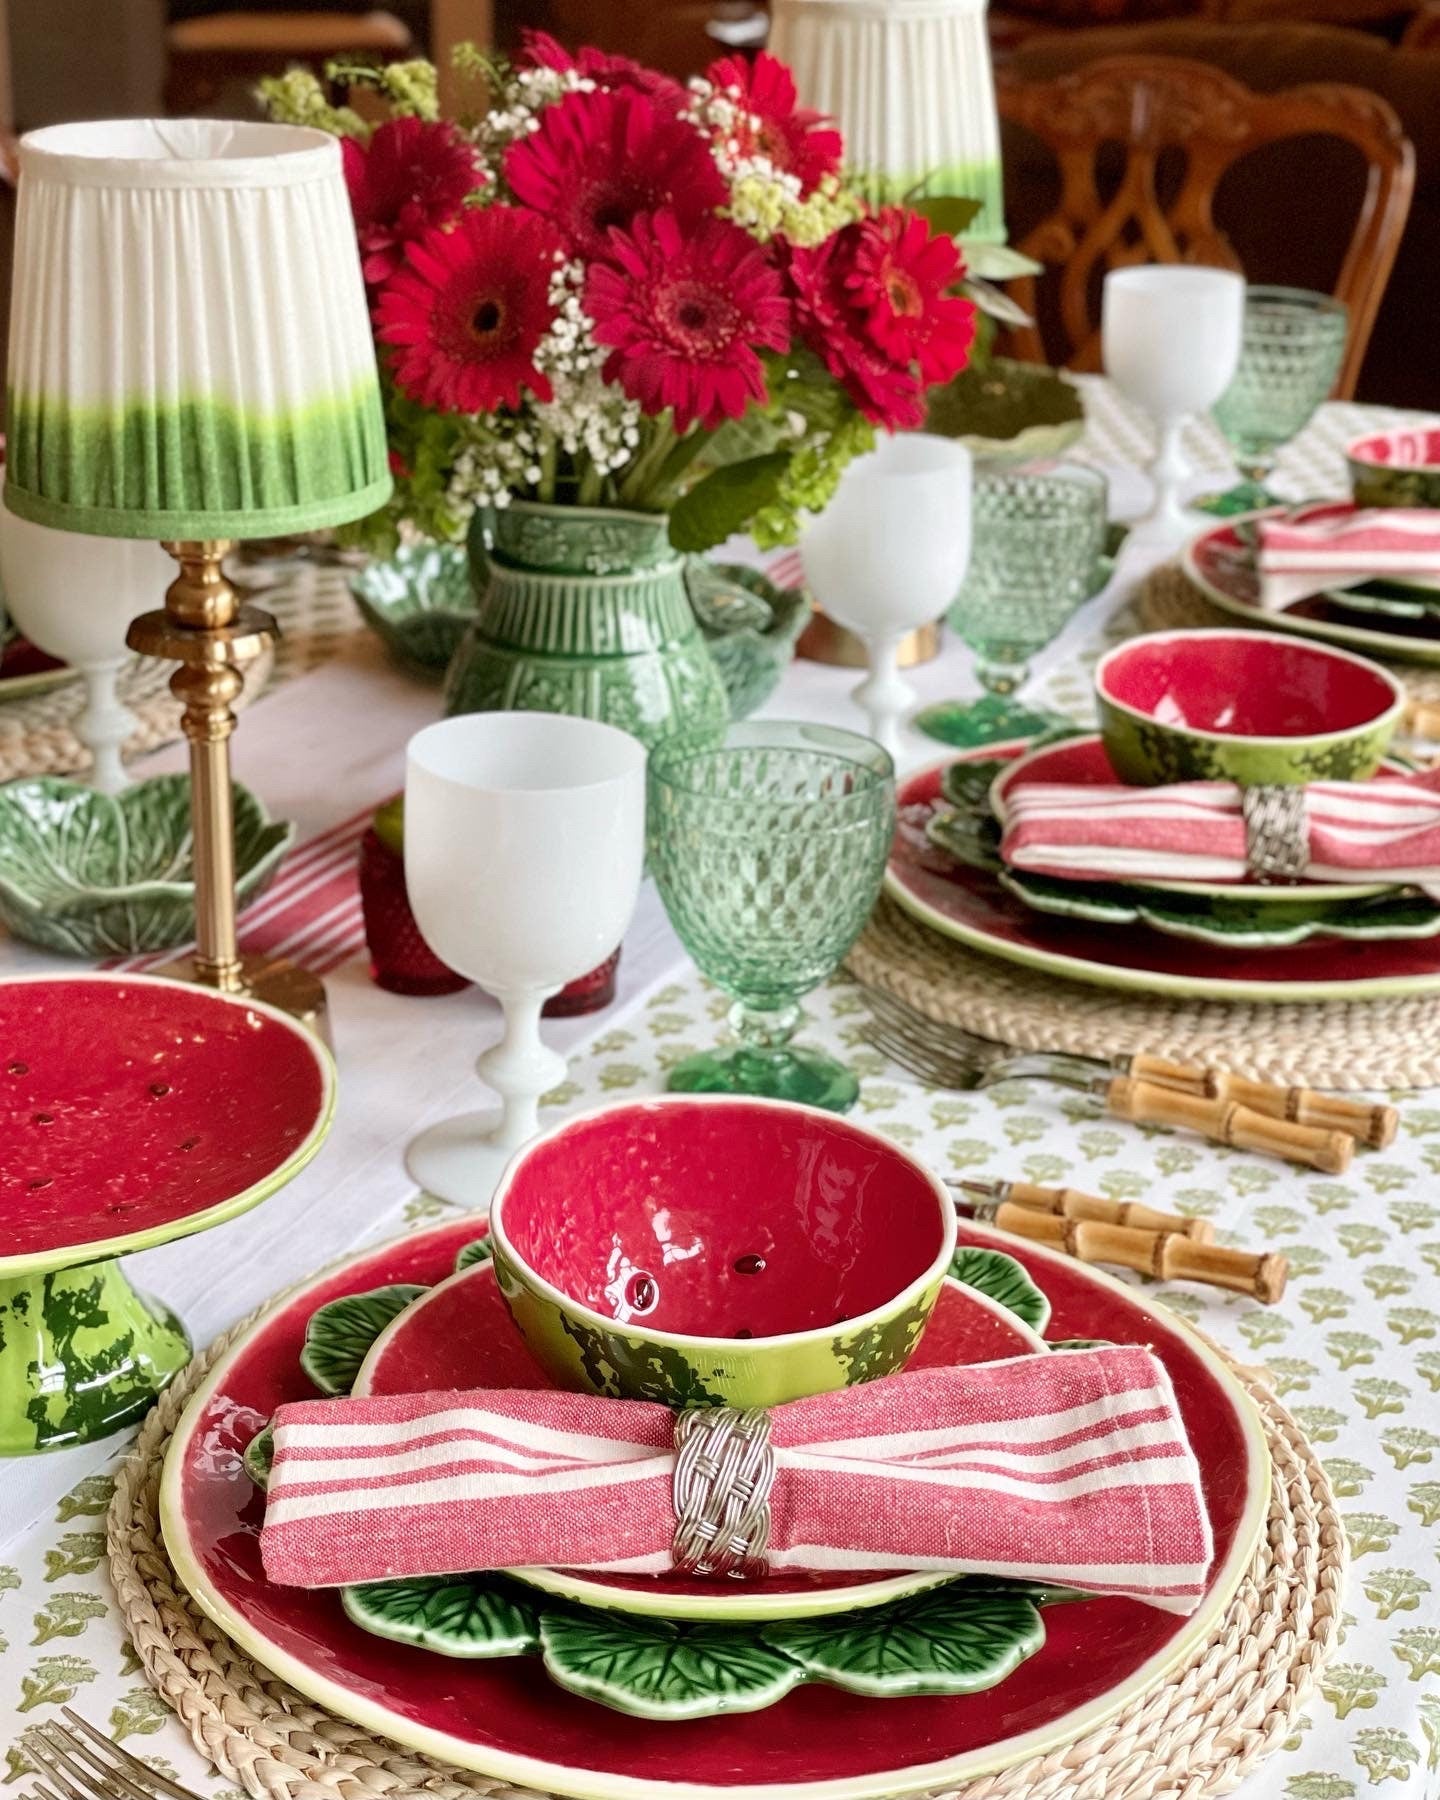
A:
806,1076
967,725
1245,497
81,1355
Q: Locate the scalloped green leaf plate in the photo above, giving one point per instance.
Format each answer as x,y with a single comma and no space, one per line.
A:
959,1639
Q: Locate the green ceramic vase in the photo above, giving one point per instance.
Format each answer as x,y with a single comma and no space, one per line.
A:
584,610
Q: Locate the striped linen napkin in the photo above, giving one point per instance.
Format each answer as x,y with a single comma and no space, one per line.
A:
1194,830
1338,546
1068,1468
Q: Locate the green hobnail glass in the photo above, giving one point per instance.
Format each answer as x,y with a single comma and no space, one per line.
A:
769,850
1037,553
1289,357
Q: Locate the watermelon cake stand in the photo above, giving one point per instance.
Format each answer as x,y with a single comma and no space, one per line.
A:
133,1111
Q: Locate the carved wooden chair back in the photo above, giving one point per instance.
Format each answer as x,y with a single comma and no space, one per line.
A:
1153,107
1423,31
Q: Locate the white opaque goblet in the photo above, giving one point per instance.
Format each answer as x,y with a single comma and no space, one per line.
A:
74,597
1170,336
888,554
524,848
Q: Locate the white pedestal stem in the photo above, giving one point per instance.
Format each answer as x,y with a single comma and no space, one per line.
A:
884,694
105,725
520,1068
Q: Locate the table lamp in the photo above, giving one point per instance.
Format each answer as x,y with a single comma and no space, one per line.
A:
191,360
910,85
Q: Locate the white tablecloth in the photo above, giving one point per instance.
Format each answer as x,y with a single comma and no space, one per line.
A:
1355,1347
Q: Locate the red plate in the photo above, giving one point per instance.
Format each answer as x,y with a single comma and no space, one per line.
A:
461,1335
506,1720
972,907
134,1110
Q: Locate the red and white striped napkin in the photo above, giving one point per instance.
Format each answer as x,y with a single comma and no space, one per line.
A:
1194,830
1071,1468
1337,546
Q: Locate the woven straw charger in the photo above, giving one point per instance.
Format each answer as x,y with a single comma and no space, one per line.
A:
1193,1734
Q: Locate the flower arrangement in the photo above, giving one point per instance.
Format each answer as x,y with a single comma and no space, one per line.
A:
609,289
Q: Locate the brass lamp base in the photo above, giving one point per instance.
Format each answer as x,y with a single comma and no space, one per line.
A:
213,636
275,981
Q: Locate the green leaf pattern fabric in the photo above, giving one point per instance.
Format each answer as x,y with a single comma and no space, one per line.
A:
1354,1351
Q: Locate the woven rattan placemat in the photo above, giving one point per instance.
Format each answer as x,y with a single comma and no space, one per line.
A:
1332,1043
1194,1734
1167,600
314,610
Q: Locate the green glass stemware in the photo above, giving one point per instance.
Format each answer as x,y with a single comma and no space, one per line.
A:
1038,553
1289,357
769,850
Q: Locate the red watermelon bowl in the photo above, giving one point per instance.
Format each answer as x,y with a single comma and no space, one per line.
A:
1256,707
133,1110
1396,468
704,1249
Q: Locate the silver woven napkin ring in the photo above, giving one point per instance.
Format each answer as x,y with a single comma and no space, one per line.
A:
1277,832
724,1471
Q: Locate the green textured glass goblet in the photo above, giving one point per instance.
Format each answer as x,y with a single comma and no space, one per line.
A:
1289,357
769,850
1037,553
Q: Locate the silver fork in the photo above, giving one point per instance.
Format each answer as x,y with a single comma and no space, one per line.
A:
951,1057
1317,1130
84,1764
933,1066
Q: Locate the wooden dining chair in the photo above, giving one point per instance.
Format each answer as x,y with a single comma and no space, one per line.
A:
1116,129
215,59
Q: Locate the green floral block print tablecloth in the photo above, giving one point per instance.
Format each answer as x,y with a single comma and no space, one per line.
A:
1354,1349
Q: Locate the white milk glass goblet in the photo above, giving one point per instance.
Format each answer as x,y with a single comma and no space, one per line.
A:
74,596
524,848
1171,339
888,554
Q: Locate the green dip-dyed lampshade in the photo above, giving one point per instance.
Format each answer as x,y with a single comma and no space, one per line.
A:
190,351
909,83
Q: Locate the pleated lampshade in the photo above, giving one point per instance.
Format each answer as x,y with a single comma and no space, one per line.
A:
190,351
910,84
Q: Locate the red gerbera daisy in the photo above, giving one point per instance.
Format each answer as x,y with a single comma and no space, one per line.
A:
410,177
900,279
798,140
469,308
686,312
599,159
871,302
887,393
541,51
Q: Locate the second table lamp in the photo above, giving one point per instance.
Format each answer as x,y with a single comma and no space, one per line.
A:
191,360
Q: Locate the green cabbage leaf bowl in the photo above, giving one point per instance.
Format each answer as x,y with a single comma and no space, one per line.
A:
96,875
